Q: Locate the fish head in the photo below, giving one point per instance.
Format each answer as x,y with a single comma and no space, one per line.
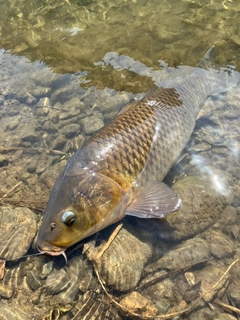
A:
79,205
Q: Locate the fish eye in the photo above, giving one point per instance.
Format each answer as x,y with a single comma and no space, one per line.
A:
68,218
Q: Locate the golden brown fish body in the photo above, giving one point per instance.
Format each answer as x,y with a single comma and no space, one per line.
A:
119,170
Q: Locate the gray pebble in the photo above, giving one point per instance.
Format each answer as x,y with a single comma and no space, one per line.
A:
221,246
234,292
54,115
200,147
58,143
188,253
29,136
14,123
201,207
70,130
57,281
33,280
17,229
48,126
225,316
44,102
4,161
46,269
73,104
39,91
91,124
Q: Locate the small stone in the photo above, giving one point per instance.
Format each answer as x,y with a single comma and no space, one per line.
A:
57,281
3,161
30,137
58,143
14,124
14,107
234,292
221,246
49,127
18,225
136,303
39,91
70,130
46,269
201,207
20,48
91,124
73,104
54,114
188,253
225,316
199,147
44,102
33,280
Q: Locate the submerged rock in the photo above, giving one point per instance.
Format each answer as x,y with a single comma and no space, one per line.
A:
186,254
122,263
136,303
201,207
17,229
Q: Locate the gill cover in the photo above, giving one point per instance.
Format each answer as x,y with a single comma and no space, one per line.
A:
79,206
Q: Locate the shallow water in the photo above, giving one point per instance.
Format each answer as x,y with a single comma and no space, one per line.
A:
66,69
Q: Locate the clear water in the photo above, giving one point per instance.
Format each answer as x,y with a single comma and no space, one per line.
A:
66,69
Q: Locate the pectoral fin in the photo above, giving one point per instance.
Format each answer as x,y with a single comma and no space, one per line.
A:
156,201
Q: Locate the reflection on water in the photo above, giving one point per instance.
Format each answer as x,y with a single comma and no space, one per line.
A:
73,35
94,56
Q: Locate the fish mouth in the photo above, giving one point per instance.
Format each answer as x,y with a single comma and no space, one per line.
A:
47,248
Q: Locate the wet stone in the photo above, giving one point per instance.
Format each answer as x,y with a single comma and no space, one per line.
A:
201,207
162,294
32,166
74,273
58,143
70,130
31,99
49,127
57,281
234,292
74,144
91,124
187,253
221,246
54,114
4,161
33,280
46,269
13,312
31,137
43,163
136,303
199,147
225,316
13,107
18,228
40,111
137,243
73,104
14,124
44,102
205,313
39,91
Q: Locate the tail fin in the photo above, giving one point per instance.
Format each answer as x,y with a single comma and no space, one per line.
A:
222,78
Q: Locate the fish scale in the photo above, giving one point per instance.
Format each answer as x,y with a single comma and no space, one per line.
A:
130,136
